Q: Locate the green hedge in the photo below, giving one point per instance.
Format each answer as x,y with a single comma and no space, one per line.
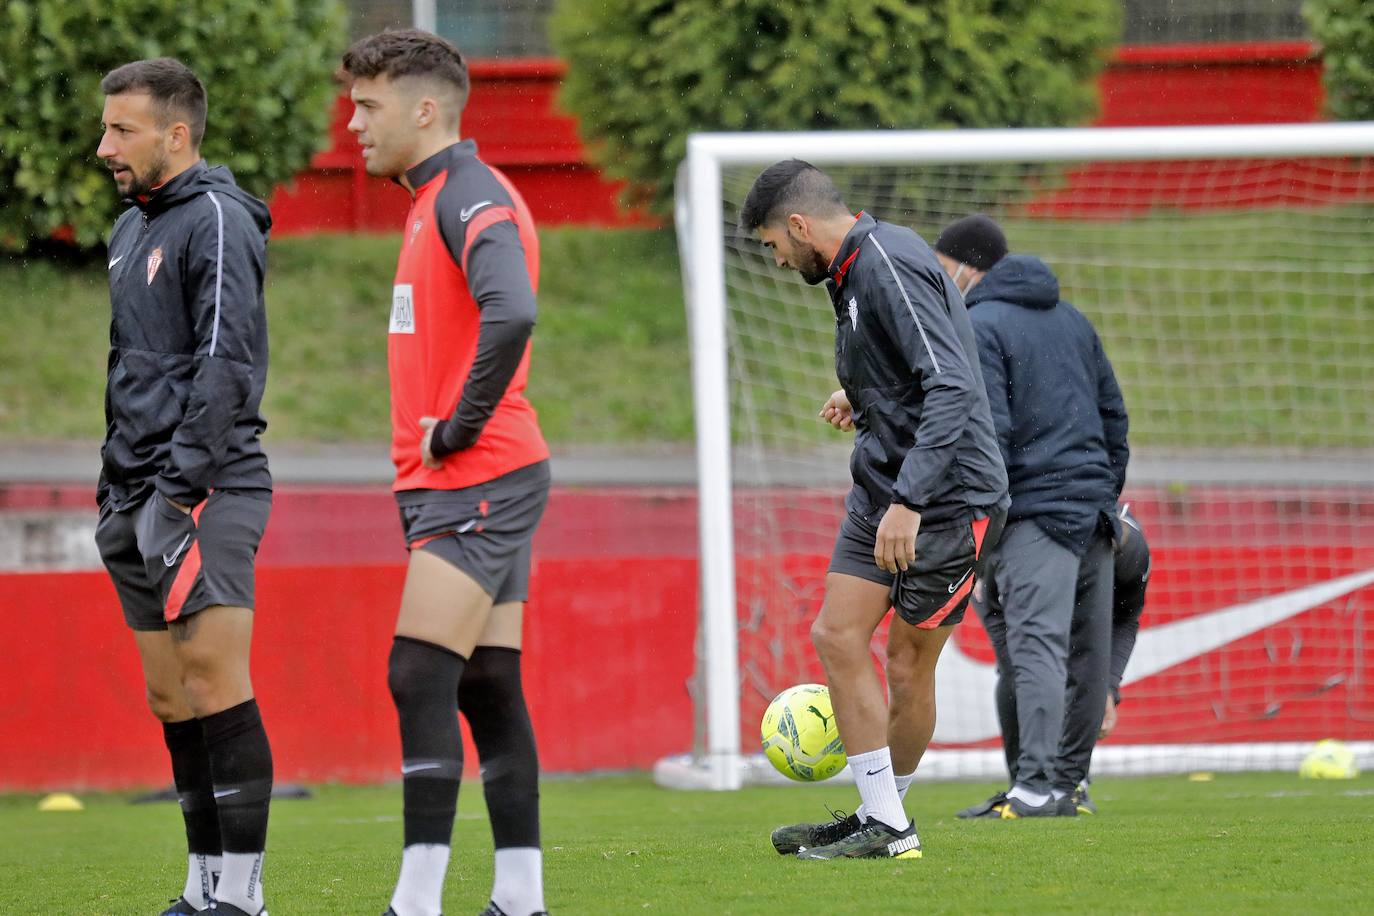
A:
1345,29
643,74
266,65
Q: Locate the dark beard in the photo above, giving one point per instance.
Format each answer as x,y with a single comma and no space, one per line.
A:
814,268
142,185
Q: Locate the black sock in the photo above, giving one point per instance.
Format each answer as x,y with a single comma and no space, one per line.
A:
424,680
493,702
191,774
241,765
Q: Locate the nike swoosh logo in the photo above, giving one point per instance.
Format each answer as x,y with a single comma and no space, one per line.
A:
1158,648
225,793
116,261
955,587
466,213
406,770
466,526
171,560
877,771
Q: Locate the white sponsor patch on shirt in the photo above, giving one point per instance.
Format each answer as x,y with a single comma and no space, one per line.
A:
854,312
402,309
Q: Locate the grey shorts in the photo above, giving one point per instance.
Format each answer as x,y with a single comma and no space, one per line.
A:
484,530
167,565
935,591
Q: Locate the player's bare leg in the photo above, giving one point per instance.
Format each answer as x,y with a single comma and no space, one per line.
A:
212,649
443,613
911,656
185,742
492,700
842,633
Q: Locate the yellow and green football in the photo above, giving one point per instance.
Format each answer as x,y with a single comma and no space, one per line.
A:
799,734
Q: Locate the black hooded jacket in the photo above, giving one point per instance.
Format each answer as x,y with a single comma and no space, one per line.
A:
905,354
1059,415
188,343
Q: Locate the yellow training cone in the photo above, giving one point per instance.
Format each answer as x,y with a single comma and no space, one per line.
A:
1200,777
60,801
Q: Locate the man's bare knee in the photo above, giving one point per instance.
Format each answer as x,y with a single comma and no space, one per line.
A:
168,704
834,643
212,650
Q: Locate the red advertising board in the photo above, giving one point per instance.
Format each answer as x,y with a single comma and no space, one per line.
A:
610,637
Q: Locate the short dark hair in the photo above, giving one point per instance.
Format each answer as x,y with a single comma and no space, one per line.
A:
790,186
176,91
409,52
975,240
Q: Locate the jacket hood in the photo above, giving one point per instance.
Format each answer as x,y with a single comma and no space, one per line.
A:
199,179
1020,279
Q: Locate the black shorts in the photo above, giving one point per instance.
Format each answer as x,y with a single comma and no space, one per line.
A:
484,530
167,565
934,592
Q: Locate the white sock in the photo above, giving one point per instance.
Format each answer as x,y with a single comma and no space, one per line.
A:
201,874
1034,799
420,889
903,783
240,883
878,788
519,886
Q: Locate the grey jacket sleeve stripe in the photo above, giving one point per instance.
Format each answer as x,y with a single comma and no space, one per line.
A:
219,267
907,299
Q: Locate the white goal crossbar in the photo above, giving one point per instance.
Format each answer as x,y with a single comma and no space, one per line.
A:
700,218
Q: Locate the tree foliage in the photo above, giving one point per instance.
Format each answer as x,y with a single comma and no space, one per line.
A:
1345,29
643,74
266,65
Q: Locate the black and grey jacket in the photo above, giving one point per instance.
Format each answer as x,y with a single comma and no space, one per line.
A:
906,356
188,343
1060,419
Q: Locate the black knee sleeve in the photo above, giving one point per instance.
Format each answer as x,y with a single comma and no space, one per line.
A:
424,680
241,769
191,774
493,701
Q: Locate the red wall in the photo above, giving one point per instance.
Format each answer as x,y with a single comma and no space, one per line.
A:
612,626
514,117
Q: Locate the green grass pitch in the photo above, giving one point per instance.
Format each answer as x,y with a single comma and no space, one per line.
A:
1241,843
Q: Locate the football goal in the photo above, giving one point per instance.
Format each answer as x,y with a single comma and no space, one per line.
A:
1230,273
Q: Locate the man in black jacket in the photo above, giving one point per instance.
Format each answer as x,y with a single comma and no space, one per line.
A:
1061,426
184,488
929,493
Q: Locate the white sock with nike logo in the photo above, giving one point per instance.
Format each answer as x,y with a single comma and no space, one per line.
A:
878,788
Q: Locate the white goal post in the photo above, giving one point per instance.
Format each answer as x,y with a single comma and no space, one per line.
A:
701,222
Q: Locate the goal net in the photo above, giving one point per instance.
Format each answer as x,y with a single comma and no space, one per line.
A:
1230,273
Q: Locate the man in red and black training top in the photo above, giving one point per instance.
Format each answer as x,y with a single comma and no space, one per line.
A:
472,474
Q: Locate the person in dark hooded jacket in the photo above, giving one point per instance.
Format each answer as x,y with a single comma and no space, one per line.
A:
184,490
929,494
1061,424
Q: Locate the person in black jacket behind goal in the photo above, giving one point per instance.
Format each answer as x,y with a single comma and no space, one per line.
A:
929,493
1131,568
184,488
1061,426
